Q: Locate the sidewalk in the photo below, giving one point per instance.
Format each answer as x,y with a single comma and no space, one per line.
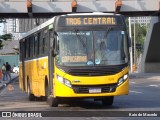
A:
4,83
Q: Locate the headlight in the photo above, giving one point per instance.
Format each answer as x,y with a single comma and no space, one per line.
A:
64,81
122,79
67,83
60,79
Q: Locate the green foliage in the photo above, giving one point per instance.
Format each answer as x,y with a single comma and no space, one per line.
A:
1,44
140,33
5,37
2,20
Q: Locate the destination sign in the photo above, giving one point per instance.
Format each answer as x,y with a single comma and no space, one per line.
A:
71,21
80,21
74,58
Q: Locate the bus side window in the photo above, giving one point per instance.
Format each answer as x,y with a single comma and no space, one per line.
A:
25,45
34,47
44,45
47,44
31,46
46,40
36,40
41,43
21,51
27,48
38,52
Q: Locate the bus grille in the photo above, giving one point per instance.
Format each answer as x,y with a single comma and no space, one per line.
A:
85,88
93,70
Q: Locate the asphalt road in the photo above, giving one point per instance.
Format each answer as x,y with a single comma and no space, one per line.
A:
144,96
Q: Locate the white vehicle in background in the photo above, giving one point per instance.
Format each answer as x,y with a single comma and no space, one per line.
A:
16,69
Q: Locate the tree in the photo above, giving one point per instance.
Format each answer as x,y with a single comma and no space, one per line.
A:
5,37
1,44
140,32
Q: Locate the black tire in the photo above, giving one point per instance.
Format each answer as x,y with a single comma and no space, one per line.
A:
31,96
46,93
53,102
108,101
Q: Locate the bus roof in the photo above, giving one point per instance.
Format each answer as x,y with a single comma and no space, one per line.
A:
43,25
94,13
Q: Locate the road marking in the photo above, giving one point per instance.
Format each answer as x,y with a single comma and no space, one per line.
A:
135,91
133,82
154,85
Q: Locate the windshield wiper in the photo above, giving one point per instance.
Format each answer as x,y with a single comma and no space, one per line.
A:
80,38
102,43
105,36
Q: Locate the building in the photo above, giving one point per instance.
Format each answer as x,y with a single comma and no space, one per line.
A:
9,53
17,27
12,26
26,25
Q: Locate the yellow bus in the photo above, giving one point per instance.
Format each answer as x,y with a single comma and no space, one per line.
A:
82,55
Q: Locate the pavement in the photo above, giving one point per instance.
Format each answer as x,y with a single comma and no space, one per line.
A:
6,82
135,75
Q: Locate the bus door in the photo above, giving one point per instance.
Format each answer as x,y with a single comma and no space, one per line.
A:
51,61
23,45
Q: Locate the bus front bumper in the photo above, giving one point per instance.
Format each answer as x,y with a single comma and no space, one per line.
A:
93,91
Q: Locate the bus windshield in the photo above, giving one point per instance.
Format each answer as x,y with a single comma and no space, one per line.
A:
92,48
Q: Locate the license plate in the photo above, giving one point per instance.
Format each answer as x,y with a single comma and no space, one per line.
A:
94,90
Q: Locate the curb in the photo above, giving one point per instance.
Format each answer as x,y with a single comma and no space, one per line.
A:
4,85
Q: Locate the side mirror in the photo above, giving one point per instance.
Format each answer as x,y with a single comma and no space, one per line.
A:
129,41
54,53
55,45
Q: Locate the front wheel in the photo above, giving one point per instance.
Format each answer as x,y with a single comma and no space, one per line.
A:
53,102
108,101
